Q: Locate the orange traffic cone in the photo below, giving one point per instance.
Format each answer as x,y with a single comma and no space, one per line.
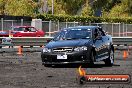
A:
10,35
125,54
20,50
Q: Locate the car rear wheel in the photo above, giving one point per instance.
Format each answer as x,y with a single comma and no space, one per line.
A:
110,60
19,36
38,36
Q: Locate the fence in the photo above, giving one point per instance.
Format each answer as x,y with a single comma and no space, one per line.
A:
51,27
6,24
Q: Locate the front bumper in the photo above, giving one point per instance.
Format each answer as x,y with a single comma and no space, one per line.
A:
73,57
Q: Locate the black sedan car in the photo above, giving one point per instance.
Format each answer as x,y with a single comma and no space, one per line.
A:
81,44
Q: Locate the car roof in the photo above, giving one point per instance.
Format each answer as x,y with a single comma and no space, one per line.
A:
21,26
83,27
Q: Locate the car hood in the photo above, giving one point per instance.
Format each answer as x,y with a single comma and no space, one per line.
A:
68,43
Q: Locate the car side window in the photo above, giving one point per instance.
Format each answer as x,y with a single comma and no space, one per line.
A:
18,29
101,31
96,34
32,30
26,29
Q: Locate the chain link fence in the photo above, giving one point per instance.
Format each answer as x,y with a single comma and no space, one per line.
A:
7,24
51,27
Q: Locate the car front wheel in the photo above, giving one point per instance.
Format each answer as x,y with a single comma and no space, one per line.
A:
47,65
92,57
110,60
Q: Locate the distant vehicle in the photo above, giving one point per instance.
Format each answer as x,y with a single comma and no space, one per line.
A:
4,33
22,31
82,44
5,42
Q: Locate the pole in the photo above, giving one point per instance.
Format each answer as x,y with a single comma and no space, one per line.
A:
49,28
126,29
21,22
112,30
129,8
123,29
2,25
58,25
66,24
12,25
52,7
119,29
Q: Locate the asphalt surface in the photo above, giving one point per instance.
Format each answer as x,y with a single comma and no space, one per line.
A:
27,71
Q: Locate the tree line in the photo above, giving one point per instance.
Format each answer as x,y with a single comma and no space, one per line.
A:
103,8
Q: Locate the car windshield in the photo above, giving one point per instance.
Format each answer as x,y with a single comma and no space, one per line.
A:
69,34
18,29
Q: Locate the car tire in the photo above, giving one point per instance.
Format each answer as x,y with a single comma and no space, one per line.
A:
92,57
81,80
38,36
47,65
110,60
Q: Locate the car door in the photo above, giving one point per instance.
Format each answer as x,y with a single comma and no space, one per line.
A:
25,33
32,32
106,45
99,44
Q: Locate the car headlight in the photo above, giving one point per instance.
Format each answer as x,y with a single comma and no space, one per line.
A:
83,48
46,50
